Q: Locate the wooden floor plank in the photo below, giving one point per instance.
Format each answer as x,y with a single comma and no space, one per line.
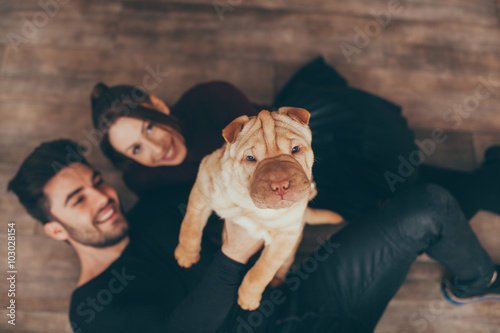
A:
245,34
487,228
36,322
432,100
67,75
480,13
76,23
2,55
419,307
458,37
441,59
47,272
454,150
427,59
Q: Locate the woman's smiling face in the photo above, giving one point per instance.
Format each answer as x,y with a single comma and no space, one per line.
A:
148,143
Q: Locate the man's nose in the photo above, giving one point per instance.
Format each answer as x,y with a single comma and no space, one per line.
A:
100,198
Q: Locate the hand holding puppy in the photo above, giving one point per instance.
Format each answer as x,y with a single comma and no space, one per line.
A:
238,244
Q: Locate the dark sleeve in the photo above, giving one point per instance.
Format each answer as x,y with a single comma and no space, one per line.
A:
207,306
213,295
123,316
229,103
217,101
141,179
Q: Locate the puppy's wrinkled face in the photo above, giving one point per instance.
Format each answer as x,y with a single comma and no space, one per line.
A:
273,156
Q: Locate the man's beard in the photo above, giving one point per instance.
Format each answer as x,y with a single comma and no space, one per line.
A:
95,238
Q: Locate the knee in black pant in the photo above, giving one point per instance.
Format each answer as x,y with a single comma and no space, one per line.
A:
425,210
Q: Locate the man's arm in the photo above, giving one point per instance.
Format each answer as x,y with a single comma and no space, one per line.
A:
207,306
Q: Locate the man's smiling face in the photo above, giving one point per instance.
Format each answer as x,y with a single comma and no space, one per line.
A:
86,207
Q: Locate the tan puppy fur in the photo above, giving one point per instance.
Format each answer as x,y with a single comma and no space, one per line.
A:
260,179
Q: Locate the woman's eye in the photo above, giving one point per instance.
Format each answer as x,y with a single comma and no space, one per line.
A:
251,158
149,128
136,150
295,149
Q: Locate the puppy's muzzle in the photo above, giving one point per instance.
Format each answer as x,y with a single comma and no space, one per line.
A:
279,182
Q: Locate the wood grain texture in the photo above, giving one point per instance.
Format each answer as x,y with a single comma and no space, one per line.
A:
428,59
433,100
69,74
486,226
2,54
454,150
47,273
419,307
37,321
274,36
77,23
479,13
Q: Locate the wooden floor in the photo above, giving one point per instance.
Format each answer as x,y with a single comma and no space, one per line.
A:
431,57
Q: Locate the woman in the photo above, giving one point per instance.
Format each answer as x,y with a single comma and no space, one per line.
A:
150,141
357,137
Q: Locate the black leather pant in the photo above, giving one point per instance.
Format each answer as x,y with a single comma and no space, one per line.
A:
346,284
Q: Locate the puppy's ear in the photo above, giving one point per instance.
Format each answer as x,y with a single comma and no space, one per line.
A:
234,128
298,114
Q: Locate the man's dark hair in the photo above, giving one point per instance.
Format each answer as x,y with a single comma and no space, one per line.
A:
37,169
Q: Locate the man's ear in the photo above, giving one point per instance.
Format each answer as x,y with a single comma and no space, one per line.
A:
159,105
230,133
298,114
55,230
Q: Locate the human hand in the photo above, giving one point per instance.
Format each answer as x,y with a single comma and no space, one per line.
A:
238,244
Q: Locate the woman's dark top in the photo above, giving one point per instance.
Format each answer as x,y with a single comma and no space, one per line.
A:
360,141
203,112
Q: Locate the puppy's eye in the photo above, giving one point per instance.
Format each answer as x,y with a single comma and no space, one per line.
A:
251,158
295,149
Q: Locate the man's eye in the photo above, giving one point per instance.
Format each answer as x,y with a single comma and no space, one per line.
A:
79,200
149,128
136,150
99,182
251,158
295,149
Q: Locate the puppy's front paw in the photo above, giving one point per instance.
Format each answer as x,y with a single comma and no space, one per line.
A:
185,257
247,300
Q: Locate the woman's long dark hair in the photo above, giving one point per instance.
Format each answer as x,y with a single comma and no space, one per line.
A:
111,103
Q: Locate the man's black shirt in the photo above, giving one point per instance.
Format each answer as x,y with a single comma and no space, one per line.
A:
145,290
